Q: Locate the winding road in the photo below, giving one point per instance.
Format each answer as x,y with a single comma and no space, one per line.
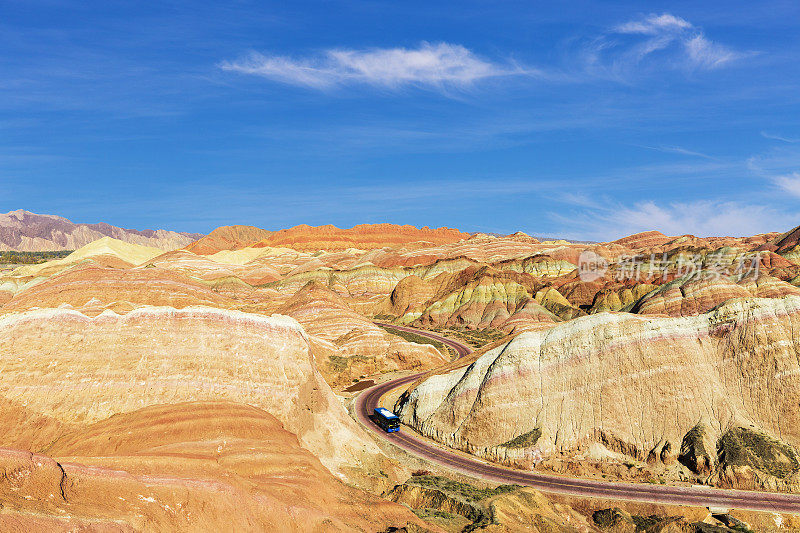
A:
471,466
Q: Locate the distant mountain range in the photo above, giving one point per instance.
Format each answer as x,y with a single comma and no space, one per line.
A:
328,237
24,231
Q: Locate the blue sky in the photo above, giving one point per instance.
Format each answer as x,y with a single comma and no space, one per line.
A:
590,121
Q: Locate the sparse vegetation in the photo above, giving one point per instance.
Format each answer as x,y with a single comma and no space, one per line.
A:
338,363
419,339
461,498
468,493
618,520
643,523
434,513
526,439
31,258
744,446
447,521
475,338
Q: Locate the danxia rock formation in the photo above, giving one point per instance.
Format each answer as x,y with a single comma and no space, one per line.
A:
164,381
646,388
112,364
354,345
330,238
106,371
228,238
106,252
191,466
364,236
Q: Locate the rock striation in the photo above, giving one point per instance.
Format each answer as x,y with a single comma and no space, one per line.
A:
105,252
193,466
92,289
677,371
646,239
354,346
77,369
363,236
632,385
697,294
227,238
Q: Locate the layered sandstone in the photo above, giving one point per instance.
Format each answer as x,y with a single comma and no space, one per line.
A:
227,238
354,346
193,466
784,243
213,268
637,386
699,293
329,237
646,239
105,252
363,236
76,369
92,289
477,297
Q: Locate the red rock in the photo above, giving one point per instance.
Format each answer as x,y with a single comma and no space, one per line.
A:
228,238
646,239
363,236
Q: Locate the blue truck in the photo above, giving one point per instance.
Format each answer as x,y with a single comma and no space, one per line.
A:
387,420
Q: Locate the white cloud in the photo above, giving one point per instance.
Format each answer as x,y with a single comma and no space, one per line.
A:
654,24
703,218
779,137
789,183
679,150
778,167
432,65
707,54
282,69
684,45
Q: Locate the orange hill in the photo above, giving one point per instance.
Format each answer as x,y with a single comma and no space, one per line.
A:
363,236
329,237
228,238
644,239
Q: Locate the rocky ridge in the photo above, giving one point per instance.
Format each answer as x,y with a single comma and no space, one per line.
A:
30,232
628,386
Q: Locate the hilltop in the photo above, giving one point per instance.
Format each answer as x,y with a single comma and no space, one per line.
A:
24,231
328,237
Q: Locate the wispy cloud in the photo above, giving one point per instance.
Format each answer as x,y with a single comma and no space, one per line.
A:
655,25
442,66
702,218
681,151
765,202
789,183
707,54
779,137
678,42
778,167
437,65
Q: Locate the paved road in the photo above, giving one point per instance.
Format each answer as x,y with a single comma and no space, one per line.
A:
703,497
